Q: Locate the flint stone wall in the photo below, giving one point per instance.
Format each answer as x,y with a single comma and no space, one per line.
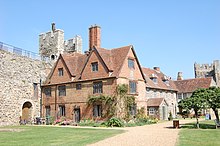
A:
17,77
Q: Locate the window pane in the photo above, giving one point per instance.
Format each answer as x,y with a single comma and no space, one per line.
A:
35,90
132,86
62,90
47,91
97,110
151,111
97,87
60,71
62,110
78,86
95,66
130,63
47,111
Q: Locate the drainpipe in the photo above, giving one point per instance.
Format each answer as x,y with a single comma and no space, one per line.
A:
40,100
56,102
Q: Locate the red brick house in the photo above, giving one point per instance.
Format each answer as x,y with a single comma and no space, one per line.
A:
76,76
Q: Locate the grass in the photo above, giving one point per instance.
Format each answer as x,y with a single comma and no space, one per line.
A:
207,135
45,135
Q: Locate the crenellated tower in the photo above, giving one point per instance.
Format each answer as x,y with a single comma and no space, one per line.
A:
206,70
52,44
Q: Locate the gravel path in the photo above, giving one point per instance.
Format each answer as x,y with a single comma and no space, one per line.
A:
161,134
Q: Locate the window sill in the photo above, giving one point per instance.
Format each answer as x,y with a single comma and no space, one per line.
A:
133,93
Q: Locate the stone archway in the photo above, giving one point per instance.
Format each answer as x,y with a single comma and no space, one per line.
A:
27,111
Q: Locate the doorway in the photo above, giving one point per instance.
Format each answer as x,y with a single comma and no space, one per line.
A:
77,115
164,111
26,112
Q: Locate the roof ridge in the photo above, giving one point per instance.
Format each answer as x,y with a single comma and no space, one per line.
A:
193,79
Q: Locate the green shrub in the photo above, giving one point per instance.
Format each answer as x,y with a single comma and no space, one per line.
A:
90,123
114,122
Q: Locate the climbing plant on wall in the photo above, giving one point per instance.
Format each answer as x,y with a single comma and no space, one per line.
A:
116,104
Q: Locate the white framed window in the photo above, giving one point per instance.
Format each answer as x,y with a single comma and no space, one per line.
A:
95,66
60,71
132,87
131,63
152,111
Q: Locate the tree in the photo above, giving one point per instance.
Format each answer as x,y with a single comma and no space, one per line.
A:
196,101
213,99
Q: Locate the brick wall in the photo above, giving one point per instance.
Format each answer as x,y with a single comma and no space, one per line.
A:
76,98
89,74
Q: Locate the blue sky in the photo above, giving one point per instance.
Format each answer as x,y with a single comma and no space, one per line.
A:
171,34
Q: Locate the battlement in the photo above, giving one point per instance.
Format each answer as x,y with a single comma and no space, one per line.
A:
52,44
208,70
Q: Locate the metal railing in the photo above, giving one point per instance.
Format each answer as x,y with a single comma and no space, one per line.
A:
19,51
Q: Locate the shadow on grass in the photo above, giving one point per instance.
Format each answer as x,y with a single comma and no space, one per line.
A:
201,126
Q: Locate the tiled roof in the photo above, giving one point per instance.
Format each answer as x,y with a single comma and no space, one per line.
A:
74,62
154,102
113,59
190,85
161,84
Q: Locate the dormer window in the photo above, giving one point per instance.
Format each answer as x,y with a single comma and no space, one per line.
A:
60,71
131,63
95,66
165,80
154,80
153,77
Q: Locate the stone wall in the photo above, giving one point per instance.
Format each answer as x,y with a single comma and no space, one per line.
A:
19,76
206,70
52,44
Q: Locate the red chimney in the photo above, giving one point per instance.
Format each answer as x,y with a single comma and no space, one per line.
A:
180,76
94,36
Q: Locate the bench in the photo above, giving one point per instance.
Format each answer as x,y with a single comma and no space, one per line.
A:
217,124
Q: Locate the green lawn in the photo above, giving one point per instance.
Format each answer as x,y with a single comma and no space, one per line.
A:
45,135
207,135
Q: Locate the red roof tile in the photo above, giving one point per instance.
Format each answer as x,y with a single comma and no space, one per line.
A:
113,59
161,84
74,62
154,102
190,85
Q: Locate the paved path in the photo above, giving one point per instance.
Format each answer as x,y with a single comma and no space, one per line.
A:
161,134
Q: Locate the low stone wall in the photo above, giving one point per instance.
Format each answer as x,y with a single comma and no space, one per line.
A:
18,74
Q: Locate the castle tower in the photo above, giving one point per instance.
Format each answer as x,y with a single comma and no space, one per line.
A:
206,70
51,44
74,45
216,68
94,36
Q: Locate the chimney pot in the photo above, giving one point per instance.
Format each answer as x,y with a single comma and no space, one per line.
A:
180,76
157,68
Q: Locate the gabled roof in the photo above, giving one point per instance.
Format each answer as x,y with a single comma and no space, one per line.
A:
190,85
74,62
155,102
53,68
161,78
113,60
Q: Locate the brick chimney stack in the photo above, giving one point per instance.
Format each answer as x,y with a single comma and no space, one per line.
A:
94,36
180,76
